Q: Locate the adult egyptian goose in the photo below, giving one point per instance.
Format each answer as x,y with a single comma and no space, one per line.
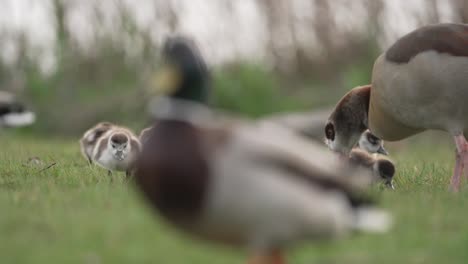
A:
419,83
260,187
13,113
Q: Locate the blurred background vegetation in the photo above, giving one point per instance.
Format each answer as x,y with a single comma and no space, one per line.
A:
266,56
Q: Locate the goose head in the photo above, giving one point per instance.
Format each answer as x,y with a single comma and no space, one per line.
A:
385,169
348,120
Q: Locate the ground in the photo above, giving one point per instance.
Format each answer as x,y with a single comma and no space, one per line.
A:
57,209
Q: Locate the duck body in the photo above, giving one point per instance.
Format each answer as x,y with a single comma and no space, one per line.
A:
305,209
249,184
252,186
421,83
309,124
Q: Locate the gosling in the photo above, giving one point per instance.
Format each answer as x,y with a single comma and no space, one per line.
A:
382,168
117,150
91,137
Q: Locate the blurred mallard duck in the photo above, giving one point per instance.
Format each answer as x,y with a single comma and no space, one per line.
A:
13,113
240,183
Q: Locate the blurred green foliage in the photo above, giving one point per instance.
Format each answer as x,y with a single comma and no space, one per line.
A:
86,92
106,79
250,90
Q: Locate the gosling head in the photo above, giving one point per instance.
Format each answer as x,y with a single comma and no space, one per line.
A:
385,170
372,144
382,168
119,145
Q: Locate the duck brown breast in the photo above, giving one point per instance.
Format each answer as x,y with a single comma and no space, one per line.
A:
172,170
442,38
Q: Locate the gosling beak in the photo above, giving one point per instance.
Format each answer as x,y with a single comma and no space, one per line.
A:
389,184
120,155
382,151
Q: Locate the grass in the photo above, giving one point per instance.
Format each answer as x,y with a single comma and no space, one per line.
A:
74,213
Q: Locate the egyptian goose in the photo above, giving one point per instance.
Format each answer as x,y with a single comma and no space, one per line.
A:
419,83
260,187
13,113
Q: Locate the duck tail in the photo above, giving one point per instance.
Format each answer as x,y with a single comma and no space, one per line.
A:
371,219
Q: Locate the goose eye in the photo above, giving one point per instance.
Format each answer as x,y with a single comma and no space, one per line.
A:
330,131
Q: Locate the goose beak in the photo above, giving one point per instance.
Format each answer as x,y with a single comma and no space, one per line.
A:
382,151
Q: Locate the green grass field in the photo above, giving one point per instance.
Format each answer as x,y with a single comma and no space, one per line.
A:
74,213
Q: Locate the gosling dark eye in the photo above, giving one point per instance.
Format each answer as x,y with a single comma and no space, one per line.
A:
372,139
330,131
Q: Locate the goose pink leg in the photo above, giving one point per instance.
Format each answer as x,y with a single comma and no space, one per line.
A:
461,160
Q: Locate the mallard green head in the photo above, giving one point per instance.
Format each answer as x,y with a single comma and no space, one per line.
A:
184,74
